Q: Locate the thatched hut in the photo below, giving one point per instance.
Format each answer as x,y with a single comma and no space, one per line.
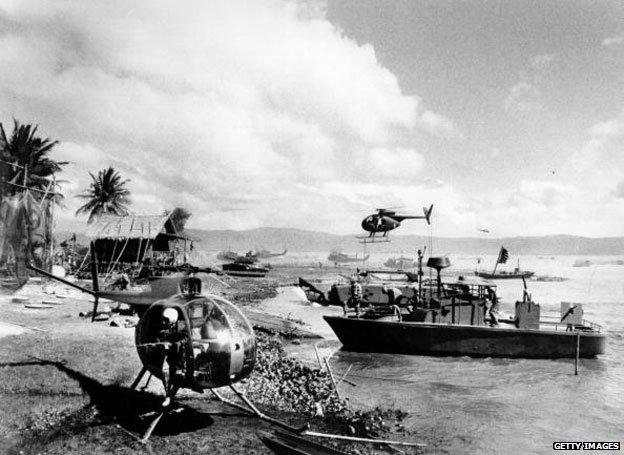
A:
136,239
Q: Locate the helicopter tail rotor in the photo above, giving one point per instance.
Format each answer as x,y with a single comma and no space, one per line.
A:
427,213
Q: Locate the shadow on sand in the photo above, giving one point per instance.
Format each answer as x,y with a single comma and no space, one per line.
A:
116,404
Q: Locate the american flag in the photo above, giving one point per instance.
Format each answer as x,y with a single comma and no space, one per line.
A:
502,256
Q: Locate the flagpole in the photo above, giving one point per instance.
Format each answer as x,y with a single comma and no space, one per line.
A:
497,261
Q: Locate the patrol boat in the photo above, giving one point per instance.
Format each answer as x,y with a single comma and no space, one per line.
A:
459,317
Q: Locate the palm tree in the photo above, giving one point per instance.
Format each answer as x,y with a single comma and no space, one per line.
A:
179,216
107,194
29,154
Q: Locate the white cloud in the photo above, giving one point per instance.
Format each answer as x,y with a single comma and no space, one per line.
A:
383,164
224,107
613,40
541,62
608,129
546,193
523,97
438,125
619,190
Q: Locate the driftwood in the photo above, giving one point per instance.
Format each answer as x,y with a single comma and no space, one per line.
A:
368,440
331,376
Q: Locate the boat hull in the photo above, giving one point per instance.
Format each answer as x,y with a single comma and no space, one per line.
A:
364,335
245,274
244,270
504,276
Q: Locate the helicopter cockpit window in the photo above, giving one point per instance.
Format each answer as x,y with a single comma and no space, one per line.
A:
244,340
197,311
236,318
208,322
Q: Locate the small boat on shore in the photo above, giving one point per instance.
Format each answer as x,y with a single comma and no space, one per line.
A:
459,317
244,270
283,443
247,258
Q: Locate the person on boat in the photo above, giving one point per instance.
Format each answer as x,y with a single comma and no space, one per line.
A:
492,300
356,297
394,294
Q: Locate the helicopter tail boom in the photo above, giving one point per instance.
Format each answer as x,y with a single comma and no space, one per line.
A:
62,280
425,216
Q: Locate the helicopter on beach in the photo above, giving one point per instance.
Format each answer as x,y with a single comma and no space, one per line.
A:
186,339
386,220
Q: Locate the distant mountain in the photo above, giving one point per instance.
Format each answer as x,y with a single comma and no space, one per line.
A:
278,239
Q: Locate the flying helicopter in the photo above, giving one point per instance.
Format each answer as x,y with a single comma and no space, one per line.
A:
386,220
186,339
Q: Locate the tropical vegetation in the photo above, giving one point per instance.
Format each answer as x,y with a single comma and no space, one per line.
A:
25,161
179,216
107,195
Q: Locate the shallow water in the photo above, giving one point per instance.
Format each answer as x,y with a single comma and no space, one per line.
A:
499,405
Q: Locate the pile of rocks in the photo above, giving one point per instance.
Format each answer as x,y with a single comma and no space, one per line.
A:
286,383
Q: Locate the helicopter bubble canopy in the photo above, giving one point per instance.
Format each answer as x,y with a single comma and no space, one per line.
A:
208,343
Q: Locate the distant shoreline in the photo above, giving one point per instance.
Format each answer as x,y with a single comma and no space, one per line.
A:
297,240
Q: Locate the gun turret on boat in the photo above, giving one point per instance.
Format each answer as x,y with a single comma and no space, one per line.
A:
373,283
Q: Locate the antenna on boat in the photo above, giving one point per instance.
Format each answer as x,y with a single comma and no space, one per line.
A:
420,253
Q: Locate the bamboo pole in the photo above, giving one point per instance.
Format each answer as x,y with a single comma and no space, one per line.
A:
219,280
342,378
318,356
369,440
331,376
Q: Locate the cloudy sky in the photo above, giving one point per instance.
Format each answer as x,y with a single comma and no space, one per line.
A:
506,115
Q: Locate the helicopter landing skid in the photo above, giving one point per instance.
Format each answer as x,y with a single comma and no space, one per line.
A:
367,239
253,410
168,407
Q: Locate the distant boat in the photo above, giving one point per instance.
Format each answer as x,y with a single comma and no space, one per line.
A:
247,258
244,270
503,255
582,263
503,275
337,257
400,263
263,254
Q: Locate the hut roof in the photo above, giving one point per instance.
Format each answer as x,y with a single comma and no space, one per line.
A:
131,226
